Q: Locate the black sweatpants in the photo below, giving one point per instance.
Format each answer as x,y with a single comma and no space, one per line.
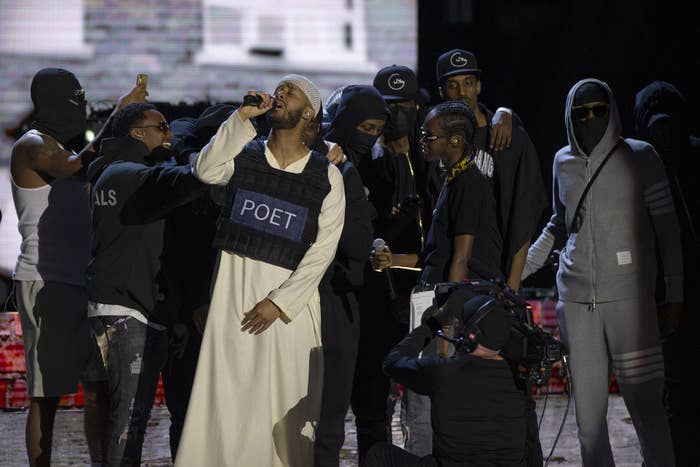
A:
340,329
379,333
178,378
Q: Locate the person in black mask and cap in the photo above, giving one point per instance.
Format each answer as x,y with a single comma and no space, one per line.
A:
131,196
54,221
358,120
661,117
397,168
612,206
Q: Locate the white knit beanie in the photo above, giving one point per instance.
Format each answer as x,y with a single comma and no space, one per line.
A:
307,87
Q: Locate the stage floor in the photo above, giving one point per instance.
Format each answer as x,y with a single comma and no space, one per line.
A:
70,448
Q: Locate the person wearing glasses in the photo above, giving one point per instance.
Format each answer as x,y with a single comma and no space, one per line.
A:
610,236
130,197
508,159
464,231
48,190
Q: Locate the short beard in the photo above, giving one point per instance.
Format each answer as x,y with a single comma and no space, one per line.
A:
287,121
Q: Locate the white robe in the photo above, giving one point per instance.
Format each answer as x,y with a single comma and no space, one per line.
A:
256,399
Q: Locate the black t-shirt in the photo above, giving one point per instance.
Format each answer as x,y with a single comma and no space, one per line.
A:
466,206
481,135
478,411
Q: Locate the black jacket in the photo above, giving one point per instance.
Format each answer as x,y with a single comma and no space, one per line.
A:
129,201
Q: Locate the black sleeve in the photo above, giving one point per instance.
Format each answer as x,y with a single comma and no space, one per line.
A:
356,239
465,202
161,190
528,196
403,364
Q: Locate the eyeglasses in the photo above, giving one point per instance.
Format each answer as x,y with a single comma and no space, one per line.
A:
162,126
584,113
425,136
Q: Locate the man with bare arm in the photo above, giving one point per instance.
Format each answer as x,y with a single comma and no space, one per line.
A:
54,221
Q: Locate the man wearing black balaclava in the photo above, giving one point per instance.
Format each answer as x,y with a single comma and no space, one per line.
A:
607,271
352,128
54,221
661,117
340,286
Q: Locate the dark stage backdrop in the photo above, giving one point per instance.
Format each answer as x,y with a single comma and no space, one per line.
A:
532,52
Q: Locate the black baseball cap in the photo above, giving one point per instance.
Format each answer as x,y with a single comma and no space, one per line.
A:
456,62
396,83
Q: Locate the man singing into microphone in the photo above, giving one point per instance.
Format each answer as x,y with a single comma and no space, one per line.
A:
257,393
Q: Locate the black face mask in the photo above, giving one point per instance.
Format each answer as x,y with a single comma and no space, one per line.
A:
359,146
60,109
401,122
590,131
357,104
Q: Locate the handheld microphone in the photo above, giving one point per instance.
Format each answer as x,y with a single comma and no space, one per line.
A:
380,245
253,100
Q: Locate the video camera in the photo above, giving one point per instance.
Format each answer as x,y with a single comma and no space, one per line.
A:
529,347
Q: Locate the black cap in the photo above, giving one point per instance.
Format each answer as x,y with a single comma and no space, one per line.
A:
396,83
456,62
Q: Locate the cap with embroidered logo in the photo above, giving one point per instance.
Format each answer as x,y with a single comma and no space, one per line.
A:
396,83
456,62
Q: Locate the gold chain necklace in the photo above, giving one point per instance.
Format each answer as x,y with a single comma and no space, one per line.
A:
461,166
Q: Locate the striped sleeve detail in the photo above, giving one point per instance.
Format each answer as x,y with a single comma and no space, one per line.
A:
639,366
658,198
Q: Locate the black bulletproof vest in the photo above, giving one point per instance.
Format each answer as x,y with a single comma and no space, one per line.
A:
272,215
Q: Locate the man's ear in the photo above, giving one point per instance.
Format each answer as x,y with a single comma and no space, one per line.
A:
442,93
308,114
478,87
136,133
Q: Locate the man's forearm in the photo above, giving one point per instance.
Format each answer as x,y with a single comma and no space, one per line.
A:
402,362
516,267
214,163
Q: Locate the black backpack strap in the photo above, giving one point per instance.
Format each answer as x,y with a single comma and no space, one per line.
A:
577,219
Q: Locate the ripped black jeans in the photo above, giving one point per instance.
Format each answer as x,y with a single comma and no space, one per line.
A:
133,354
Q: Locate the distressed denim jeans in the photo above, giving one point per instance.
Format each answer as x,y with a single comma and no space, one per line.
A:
133,354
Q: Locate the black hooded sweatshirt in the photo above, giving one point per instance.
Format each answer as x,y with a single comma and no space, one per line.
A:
129,201
357,104
661,116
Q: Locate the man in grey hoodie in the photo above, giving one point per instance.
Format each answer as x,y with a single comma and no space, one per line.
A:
607,271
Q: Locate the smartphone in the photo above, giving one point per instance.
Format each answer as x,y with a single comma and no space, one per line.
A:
141,79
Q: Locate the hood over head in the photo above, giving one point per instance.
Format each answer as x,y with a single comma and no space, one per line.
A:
59,104
357,104
594,136
661,119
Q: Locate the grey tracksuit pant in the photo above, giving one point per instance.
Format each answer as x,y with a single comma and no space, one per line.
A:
620,336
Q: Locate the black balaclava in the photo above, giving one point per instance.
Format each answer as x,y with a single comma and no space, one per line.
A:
59,106
357,104
589,132
402,120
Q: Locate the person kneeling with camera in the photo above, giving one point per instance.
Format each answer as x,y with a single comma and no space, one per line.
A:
478,412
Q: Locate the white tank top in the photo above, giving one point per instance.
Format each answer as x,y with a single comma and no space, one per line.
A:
54,222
